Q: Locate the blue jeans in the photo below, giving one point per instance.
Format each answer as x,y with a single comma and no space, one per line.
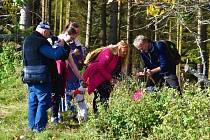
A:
39,101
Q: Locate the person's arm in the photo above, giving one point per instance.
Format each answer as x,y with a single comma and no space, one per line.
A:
53,53
73,67
153,71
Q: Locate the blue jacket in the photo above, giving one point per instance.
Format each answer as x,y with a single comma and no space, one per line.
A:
157,56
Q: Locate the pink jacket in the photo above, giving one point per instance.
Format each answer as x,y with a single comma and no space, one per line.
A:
100,70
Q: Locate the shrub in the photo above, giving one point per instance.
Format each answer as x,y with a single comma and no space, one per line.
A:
10,60
159,115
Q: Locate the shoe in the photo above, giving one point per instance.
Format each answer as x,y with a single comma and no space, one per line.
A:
54,120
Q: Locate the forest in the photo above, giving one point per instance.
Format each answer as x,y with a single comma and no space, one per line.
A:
159,115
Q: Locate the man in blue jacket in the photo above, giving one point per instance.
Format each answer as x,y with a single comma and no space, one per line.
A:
158,66
39,73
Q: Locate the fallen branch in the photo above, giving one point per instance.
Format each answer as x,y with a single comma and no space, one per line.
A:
200,76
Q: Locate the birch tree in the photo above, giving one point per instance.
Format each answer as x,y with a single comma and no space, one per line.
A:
88,25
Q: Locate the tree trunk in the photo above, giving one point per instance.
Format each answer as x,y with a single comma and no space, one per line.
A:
43,10
61,16
170,30
129,27
202,36
119,19
156,29
88,26
209,64
25,15
103,22
50,12
35,15
180,51
113,22
68,9
55,16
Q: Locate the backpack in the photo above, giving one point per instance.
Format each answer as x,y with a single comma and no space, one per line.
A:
92,55
174,55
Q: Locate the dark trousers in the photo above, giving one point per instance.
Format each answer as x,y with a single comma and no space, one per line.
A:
103,92
172,81
56,96
169,80
56,99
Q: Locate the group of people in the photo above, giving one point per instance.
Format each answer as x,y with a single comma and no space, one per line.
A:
51,69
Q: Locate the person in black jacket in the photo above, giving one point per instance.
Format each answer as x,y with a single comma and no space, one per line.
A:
39,67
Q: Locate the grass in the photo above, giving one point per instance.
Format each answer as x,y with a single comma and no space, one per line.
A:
13,115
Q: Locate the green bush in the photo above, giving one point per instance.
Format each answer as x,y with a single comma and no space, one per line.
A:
158,115
187,117
10,61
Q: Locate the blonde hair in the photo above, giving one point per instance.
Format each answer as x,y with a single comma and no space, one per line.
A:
115,50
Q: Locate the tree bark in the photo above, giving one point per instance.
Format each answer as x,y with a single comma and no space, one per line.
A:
55,16
50,12
202,36
113,22
88,26
25,15
129,37
61,16
103,22
68,9
43,10
119,19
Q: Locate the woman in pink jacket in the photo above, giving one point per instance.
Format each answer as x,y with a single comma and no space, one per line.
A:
103,71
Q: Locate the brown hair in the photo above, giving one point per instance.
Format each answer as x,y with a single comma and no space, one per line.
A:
69,29
74,24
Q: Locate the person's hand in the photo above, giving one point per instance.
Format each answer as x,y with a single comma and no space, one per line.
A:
113,81
149,73
61,42
139,74
76,52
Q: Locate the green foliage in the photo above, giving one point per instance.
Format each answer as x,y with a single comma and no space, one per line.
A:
159,115
187,118
9,60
